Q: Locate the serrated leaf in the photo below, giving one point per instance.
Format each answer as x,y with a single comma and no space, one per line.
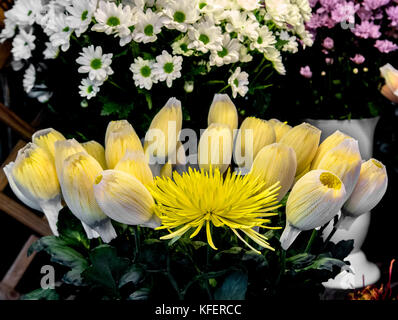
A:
234,287
41,294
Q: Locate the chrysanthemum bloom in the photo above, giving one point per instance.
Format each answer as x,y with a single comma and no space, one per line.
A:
280,128
199,198
64,149
223,110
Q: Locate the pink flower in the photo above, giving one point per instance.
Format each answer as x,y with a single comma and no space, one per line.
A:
385,46
374,4
344,12
306,72
367,30
358,59
392,13
328,43
329,60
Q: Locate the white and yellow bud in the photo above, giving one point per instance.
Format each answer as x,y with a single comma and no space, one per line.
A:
77,179
125,199
164,131
304,139
34,176
96,150
390,75
135,163
329,143
253,135
280,128
369,190
64,149
276,162
120,137
215,147
314,200
223,110
345,162
46,139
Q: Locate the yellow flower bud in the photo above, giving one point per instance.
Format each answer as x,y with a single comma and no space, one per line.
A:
125,199
215,147
34,176
254,134
345,162
46,138
304,140
390,75
223,110
369,190
314,200
64,149
164,131
329,143
135,163
120,137
280,128
166,170
276,162
77,179
95,150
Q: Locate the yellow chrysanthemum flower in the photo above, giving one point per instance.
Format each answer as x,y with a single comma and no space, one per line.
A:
198,198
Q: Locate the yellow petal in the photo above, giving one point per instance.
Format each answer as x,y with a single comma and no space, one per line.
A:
135,163
96,150
64,149
46,138
280,128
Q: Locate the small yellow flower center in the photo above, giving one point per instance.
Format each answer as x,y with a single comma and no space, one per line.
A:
377,163
330,180
98,179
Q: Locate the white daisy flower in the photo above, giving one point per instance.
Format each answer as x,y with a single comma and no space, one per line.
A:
181,46
61,36
244,24
113,19
41,93
244,55
29,78
148,25
140,4
264,39
96,64
25,12
8,31
291,45
23,44
50,52
180,14
142,73
81,13
205,36
89,88
249,5
167,67
274,55
228,54
238,82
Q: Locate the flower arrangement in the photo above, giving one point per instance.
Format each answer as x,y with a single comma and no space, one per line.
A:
352,40
232,206
123,55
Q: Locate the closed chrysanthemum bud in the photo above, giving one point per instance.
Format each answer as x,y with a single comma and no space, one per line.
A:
329,143
125,199
276,162
34,176
95,150
164,131
64,149
77,179
314,200
304,140
345,162
136,164
166,170
369,190
254,134
46,139
223,110
120,137
215,147
280,128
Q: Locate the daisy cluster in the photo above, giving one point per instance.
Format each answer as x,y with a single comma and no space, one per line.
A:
221,32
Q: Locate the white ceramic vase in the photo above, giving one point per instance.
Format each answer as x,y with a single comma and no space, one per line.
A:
365,272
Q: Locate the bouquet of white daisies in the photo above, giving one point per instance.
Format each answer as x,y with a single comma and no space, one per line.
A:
160,44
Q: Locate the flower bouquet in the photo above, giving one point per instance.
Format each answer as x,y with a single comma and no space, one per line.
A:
225,217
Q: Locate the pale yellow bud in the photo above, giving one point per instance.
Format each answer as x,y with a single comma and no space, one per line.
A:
166,170
120,137
254,134
77,179
125,199
64,149
276,162
164,131
215,147
314,200
135,163
304,140
223,110
390,74
345,162
280,128
46,138
95,150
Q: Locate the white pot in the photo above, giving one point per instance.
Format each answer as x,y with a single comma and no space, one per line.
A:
365,272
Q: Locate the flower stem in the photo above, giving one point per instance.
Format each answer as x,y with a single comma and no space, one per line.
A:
225,88
312,238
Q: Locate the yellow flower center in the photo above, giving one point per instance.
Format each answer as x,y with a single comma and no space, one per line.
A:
330,180
377,163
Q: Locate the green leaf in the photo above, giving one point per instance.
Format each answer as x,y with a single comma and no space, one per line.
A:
234,287
41,294
341,249
133,274
153,253
234,251
300,260
325,262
